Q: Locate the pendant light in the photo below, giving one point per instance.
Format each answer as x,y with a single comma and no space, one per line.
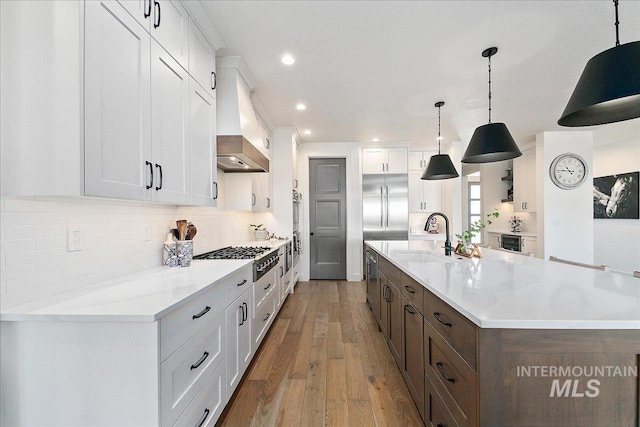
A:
609,88
440,165
491,142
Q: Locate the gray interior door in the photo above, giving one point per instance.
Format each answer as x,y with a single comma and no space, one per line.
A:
327,219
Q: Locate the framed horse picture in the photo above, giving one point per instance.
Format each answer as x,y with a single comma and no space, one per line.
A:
616,196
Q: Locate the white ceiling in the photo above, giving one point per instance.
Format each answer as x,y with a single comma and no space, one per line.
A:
375,68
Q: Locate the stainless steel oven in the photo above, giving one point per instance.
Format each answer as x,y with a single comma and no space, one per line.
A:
511,242
288,257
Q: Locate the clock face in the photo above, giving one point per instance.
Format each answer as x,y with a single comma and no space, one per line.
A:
568,171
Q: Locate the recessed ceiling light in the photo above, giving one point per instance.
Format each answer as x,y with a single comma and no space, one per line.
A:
375,140
288,60
301,107
307,132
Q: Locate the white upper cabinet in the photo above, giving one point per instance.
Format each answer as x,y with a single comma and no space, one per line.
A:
418,160
424,195
118,159
167,21
248,191
170,147
262,189
202,59
384,160
524,182
204,185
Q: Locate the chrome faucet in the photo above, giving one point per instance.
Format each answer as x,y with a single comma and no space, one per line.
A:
447,243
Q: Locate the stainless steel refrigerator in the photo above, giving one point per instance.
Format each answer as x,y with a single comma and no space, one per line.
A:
385,207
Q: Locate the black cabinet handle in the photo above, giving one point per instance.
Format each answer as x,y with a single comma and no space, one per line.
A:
439,425
205,416
437,316
199,362
253,199
202,313
268,286
216,196
296,185
159,167
243,282
156,5
450,379
246,311
265,319
148,186
268,202
409,289
147,8
214,80
408,309
281,271
242,315
268,144
311,234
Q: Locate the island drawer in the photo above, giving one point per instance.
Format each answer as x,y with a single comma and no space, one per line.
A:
238,282
436,413
393,273
413,292
459,332
453,379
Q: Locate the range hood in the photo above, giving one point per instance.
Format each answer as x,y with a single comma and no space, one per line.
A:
240,140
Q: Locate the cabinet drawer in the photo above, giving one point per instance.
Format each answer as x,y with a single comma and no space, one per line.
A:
263,317
178,326
454,380
205,409
263,287
413,292
436,412
186,370
453,326
238,283
393,273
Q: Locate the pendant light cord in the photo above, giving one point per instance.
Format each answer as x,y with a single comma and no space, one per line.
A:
615,2
490,88
439,139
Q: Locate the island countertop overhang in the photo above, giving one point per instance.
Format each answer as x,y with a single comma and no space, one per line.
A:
511,291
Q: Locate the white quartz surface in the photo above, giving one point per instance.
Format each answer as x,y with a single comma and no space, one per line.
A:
504,290
145,296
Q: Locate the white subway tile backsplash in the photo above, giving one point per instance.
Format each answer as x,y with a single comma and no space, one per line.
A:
34,262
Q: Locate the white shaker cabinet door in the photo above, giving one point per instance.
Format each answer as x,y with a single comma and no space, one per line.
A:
239,318
396,160
139,9
202,59
170,27
117,104
170,128
204,185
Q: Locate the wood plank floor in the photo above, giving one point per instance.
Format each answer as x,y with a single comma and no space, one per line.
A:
323,363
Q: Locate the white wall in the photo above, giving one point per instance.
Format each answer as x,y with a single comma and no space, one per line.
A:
617,241
565,224
351,152
34,262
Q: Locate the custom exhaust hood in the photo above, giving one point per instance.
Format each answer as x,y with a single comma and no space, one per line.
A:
240,139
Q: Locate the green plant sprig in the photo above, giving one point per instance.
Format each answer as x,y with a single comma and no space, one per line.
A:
476,227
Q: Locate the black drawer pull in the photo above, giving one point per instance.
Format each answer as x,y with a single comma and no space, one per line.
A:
147,8
156,5
159,186
242,315
214,79
439,425
150,184
409,289
245,312
268,286
409,309
206,415
437,316
450,379
265,319
243,282
202,313
199,362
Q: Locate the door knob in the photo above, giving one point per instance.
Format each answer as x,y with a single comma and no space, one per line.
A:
311,234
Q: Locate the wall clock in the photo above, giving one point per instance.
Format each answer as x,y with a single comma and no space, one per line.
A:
568,171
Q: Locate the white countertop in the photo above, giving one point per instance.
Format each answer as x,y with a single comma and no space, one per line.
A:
140,297
503,290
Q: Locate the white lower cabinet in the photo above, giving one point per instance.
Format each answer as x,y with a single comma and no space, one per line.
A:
205,409
265,313
239,315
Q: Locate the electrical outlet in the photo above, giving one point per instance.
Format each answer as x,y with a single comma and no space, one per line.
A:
234,226
146,233
74,238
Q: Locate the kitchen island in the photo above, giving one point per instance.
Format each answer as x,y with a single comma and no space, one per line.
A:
508,339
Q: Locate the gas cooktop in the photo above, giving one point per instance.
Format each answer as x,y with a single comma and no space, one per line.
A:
235,252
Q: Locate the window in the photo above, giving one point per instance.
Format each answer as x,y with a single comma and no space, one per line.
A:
475,207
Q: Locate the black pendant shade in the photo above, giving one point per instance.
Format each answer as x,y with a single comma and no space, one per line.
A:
491,143
608,90
440,165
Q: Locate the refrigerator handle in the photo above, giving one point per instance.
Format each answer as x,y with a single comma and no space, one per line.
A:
381,207
387,188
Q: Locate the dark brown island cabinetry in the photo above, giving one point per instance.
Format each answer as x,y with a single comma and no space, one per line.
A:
463,375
